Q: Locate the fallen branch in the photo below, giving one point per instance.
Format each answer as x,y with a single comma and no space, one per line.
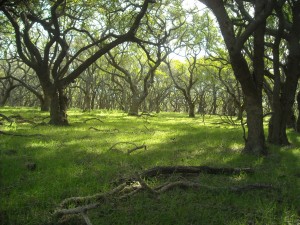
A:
131,189
146,114
94,118
20,119
86,219
162,170
99,196
21,135
136,147
106,131
5,118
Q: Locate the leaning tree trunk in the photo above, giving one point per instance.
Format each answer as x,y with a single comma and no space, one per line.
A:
58,109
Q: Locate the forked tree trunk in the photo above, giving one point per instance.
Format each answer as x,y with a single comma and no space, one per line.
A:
58,109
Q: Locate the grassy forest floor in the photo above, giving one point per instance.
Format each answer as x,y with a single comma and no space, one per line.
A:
39,172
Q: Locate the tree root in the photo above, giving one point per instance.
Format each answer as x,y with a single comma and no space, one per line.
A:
81,205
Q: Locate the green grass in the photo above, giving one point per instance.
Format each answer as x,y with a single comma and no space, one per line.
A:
76,161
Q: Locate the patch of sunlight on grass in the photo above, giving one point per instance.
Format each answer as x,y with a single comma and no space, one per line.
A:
236,146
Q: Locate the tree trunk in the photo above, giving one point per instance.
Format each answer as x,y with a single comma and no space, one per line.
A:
213,110
93,100
277,134
284,116
255,143
298,107
157,106
87,102
256,139
134,106
251,82
191,109
58,109
45,102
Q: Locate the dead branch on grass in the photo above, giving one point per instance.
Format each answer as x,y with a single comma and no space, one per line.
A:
136,147
6,118
146,114
105,130
20,119
128,189
227,120
94,118
163,170
20,135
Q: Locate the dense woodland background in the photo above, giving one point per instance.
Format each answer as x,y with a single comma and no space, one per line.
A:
217,57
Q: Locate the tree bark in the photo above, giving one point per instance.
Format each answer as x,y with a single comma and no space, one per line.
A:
58,109
298,108
134,106
255,143
45,102
191,105
256,139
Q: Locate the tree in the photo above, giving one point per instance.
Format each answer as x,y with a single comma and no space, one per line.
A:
137,70
285,89
185,78
7,84
251,81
